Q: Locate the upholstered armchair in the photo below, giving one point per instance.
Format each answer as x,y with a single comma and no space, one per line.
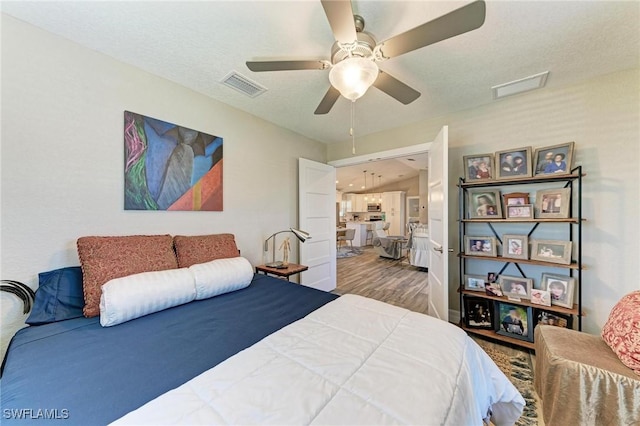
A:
387,246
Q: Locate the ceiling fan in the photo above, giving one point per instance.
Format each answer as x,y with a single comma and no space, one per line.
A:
354,55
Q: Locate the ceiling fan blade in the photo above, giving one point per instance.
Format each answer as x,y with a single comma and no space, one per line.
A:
459,21
259,66
340,16
327,102
395,88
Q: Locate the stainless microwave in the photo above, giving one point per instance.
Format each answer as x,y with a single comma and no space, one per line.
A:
373,207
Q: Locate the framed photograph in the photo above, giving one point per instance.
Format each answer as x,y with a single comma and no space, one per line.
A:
478,167
492,277
514,321
516,198
551,160
481,246
515,212
474,282
517,287
478,313
554,251
540,316
515,246
493,289
513,163
553,203
540,297
560,287
484,204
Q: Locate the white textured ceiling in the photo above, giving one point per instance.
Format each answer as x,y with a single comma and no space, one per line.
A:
197,43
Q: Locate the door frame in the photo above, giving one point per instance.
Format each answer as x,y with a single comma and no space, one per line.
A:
382,155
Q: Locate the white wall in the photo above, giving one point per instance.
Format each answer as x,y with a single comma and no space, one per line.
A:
603,117
62,157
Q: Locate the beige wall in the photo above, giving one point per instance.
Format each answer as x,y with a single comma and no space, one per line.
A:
603,117
62,157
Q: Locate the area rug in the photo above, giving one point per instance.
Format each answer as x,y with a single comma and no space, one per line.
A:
516,365
348,252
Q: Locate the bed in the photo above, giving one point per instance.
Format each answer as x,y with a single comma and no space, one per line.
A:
272,352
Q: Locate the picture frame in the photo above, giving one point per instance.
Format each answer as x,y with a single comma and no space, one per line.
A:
481,246
478,313
560,287
516,287
512,163
553,251
478,168
553,203
514,321
540,297
515,246
544,317
492,277
519,212
474,282
545,159
493,289
484,204
515,198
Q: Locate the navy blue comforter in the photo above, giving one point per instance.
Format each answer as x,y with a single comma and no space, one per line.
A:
77,372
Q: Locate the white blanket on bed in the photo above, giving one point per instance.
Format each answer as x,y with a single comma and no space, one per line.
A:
353,361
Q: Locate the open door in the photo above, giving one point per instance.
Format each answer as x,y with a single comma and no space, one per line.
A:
317,216
439,226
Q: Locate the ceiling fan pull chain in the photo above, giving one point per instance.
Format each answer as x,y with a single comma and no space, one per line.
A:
351,132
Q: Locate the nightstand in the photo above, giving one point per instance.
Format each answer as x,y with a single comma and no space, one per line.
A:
292,269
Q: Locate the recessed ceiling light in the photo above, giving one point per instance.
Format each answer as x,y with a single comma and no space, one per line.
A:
350,184
532,82
337,181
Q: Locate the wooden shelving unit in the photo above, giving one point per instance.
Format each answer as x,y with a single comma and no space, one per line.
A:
575,267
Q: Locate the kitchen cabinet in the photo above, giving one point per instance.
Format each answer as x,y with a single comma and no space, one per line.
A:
393,206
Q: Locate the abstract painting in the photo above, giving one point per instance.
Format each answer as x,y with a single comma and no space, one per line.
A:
170,167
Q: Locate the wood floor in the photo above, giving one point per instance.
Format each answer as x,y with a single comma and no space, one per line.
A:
395,282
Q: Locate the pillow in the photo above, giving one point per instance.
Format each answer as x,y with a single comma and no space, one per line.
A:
204,248
58,297
622,330
105,258
221,276
133,296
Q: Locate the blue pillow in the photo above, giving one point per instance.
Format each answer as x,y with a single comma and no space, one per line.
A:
59,296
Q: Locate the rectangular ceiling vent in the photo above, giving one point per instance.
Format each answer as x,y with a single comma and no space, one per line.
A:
532,82
242,84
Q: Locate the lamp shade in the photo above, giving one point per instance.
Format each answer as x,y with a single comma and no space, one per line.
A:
302,236
353,76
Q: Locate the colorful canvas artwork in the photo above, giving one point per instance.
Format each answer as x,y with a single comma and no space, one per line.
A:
170,167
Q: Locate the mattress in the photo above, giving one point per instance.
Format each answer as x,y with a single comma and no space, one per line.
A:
77,372
352,361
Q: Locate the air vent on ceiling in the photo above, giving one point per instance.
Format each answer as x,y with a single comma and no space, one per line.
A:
237,81
532,82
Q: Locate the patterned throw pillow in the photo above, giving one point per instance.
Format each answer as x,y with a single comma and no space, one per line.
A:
622,330
204,248
105,258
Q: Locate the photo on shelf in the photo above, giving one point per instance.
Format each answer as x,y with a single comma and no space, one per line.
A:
514,321
493,289
492,277
515,246
556,159
478,167
542,317
517,287
561,288
474,282
553,203
478,313
554,251
524,211
481,246
540,297
516,198
485,204
513,163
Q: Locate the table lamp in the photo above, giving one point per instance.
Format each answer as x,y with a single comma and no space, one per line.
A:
301,235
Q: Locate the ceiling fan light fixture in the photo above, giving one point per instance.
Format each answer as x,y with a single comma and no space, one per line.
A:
353,76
